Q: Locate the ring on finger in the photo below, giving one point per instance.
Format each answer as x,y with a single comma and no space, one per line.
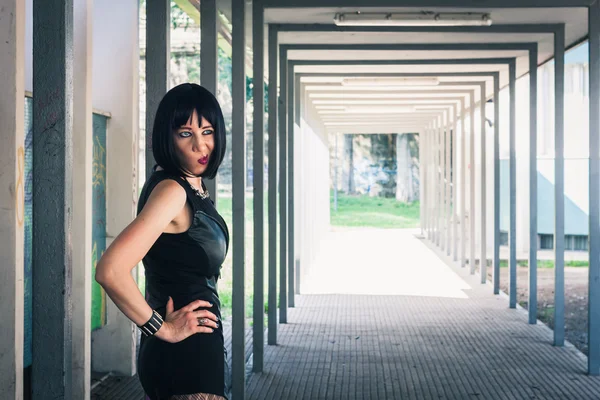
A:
201,321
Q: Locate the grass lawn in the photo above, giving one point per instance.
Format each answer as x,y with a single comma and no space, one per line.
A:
546,263
376,212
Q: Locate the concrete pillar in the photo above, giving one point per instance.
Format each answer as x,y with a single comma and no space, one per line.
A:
448,186
115,90
238,156
439,180
52,199
272,155
533,186
427,151
82,198
209,63
158,54
496,260
463,183
559,183
422,167
436,183
12,195
482,187
512,230
594,196
290,184
283,186
455,210
298,165
258,326
471,164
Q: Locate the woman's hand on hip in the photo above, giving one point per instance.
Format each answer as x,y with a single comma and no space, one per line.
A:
187,321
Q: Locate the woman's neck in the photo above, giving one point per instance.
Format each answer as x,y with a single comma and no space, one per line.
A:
195,181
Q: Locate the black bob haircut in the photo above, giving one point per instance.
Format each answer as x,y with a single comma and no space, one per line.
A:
175,110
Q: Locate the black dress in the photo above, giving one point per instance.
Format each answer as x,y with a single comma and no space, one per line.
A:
186,267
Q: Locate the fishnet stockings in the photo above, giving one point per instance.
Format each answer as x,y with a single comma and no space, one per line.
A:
197,396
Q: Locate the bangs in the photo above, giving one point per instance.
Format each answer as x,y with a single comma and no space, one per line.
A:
192,100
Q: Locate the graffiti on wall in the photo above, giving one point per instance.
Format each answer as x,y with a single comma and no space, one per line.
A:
98,217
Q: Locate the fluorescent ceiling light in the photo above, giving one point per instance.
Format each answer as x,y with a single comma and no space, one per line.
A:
425,18
390,82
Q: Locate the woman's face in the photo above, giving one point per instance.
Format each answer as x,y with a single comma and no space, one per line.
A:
194,143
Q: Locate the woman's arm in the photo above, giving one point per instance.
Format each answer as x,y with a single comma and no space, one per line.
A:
113,271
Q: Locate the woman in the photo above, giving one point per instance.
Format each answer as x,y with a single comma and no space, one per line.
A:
182,241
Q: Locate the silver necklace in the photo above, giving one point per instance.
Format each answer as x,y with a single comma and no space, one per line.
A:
202,195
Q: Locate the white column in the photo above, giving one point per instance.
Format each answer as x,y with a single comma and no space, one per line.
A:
115,89
455,186
82,197
438,192
463,183
12,185
452,116
482,188
422,173
443,181
472,186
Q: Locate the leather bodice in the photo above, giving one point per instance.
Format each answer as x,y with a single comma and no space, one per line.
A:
186,265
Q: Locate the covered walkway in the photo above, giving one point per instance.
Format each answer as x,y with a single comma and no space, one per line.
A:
404,322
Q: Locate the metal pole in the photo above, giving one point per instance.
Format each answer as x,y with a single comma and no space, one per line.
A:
51,373
594,196
272,154
533,187
258,320
208,63
512,276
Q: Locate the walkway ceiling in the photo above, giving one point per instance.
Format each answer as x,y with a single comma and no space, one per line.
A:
356,61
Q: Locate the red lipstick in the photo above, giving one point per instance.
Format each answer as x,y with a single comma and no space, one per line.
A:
203,160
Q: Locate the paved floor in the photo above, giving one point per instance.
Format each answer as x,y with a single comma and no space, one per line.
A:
383,317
